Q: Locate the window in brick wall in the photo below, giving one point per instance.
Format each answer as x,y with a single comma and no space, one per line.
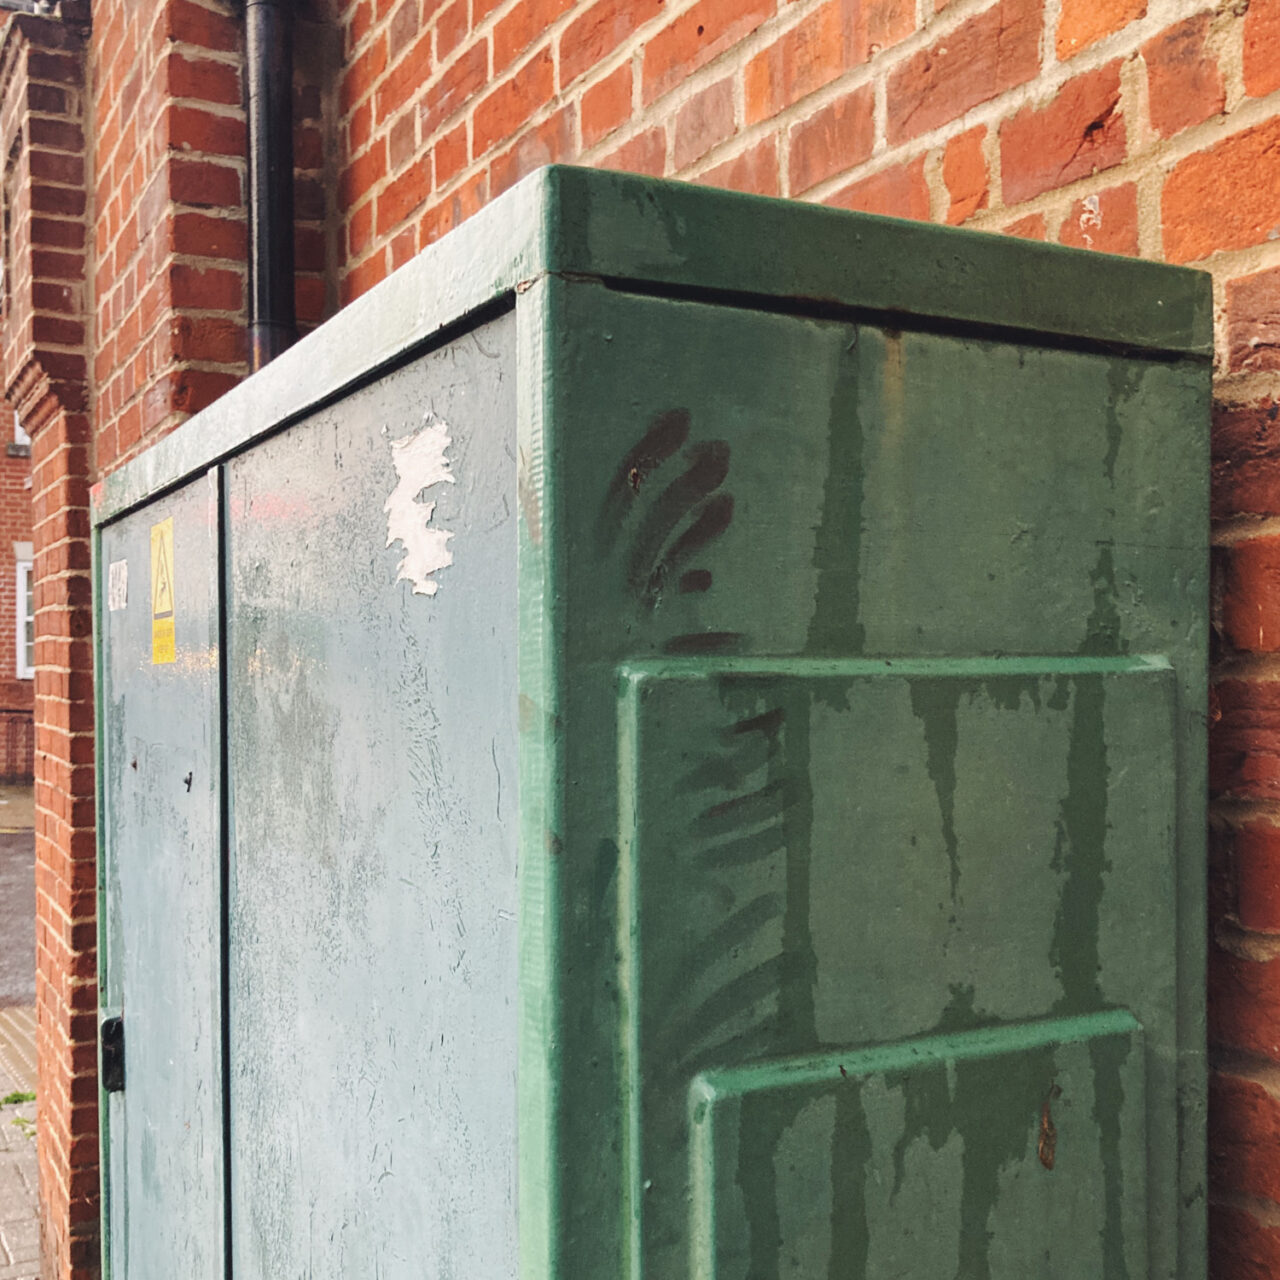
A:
26,623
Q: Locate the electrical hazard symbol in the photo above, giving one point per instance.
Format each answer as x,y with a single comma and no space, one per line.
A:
163,648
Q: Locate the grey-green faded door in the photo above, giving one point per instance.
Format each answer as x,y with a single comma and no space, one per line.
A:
883,674
372,740
161,883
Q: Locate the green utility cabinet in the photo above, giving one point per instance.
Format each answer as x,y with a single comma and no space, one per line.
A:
666,742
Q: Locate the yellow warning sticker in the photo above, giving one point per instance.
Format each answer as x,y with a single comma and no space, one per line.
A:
163,648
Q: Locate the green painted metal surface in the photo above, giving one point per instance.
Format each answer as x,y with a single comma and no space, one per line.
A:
791,489
667,237
941,1121
372,743
160,850
770,842
827,855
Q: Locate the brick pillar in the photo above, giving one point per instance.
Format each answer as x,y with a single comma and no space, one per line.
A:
42,103
66,951
1244,952
170,224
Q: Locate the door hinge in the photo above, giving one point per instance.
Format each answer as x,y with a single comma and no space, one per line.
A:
111,1040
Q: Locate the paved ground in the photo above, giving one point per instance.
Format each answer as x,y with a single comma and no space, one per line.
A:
19,1224
17,916
17,808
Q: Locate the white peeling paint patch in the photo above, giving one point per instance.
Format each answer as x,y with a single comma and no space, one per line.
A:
117,585
1090,217
420,463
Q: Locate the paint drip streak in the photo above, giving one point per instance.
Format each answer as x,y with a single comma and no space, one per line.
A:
800,962
1083,832
766,1120
992,1105
1103,633
1107,1058
1124,377
850,1158
835,628
936,704
1076,945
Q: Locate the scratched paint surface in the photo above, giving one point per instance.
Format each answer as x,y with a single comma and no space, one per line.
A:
849,1184
161,868
373,925
802,861
789,873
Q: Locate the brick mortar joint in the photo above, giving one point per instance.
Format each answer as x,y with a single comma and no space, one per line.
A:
1246,944
1233,530
1234,815
1266,1212
1243,1065
1246,387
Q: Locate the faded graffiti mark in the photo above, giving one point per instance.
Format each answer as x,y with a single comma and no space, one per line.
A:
739,831
795,1023
727,815
420,461
672,524
667,432
737,893
657,552
744,989
695,580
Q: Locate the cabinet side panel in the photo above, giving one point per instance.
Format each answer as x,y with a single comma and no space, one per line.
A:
372,638
747,487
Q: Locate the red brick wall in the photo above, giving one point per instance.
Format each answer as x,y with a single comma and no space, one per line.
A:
15,527
1091,122
21,78
170,271
23,81
66,929
1146,127
169,222
42,105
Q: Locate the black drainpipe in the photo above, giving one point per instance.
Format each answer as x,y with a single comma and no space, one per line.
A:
268,31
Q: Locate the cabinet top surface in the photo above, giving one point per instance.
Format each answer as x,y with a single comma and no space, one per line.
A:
648,235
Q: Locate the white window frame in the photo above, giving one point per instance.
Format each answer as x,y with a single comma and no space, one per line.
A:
25,671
